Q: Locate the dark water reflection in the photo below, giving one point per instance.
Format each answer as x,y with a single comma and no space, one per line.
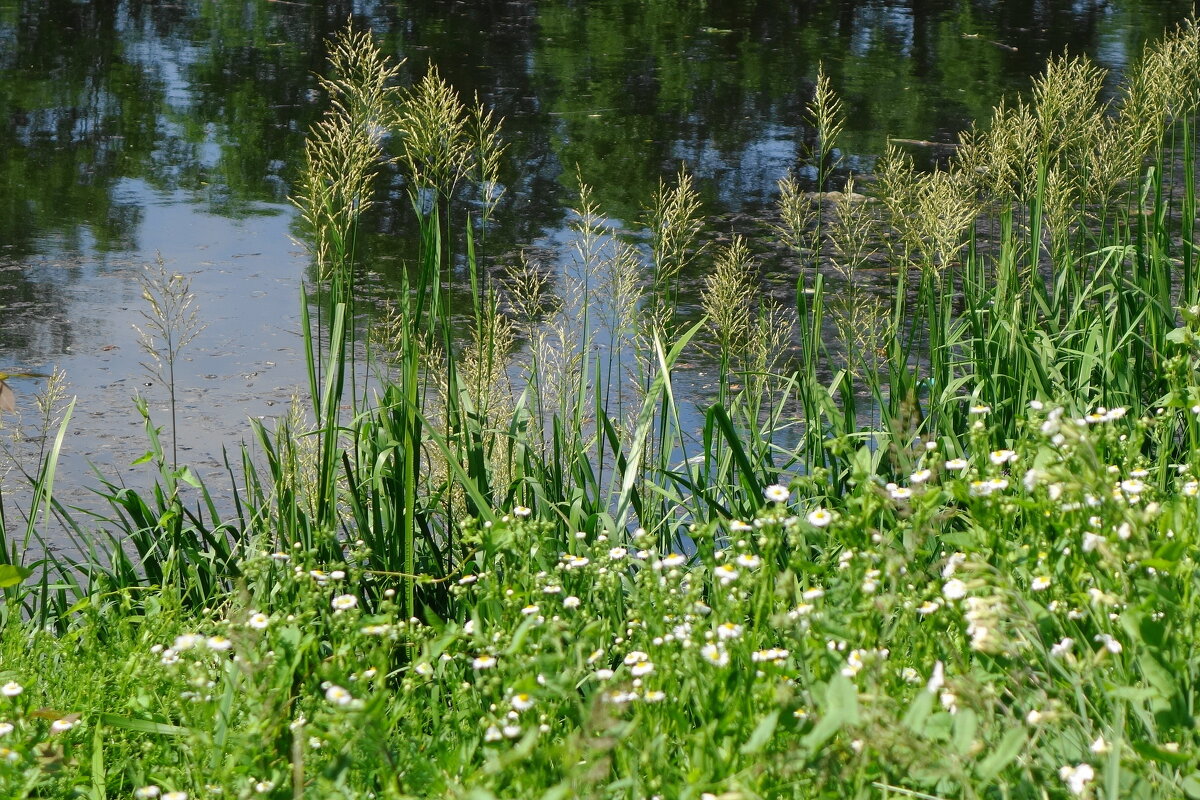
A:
131,128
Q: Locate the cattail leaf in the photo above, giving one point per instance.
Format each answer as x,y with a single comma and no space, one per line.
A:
143,725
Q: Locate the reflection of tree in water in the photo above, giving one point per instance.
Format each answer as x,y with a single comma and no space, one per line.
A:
105,101
63,127
640,86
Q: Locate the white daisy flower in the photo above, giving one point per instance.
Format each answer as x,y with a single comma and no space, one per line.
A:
999,457
777,493
338,696
641,668
726,573
186,641
634,657
820,517
1077,777
344,602
63,725
715,655
729,630
954,589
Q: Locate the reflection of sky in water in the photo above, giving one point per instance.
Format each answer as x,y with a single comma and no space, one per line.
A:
872,22
1111,50
746,174
167,57
247,363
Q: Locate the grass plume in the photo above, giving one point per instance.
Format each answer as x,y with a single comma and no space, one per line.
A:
172,322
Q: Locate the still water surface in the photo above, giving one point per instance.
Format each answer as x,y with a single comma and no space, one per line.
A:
131,129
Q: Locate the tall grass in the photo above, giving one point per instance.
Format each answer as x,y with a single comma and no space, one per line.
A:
1045,260
932,555
1042,262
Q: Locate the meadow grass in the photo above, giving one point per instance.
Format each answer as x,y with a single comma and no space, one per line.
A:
971,572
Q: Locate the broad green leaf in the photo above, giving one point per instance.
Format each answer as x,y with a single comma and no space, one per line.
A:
11,575
918,712
822,732
840,708
963,540
841,697
761,735
966,725
1157,675
1161,754
1005,752
186,475
519,636
560,792
1179,336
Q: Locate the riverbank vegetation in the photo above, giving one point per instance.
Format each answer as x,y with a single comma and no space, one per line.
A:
931,542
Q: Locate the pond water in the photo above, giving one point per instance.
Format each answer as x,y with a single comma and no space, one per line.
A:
131,129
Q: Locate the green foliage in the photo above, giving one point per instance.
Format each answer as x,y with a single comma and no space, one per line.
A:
958,562
1020,621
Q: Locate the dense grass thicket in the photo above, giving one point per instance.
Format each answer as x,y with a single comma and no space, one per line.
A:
948,550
